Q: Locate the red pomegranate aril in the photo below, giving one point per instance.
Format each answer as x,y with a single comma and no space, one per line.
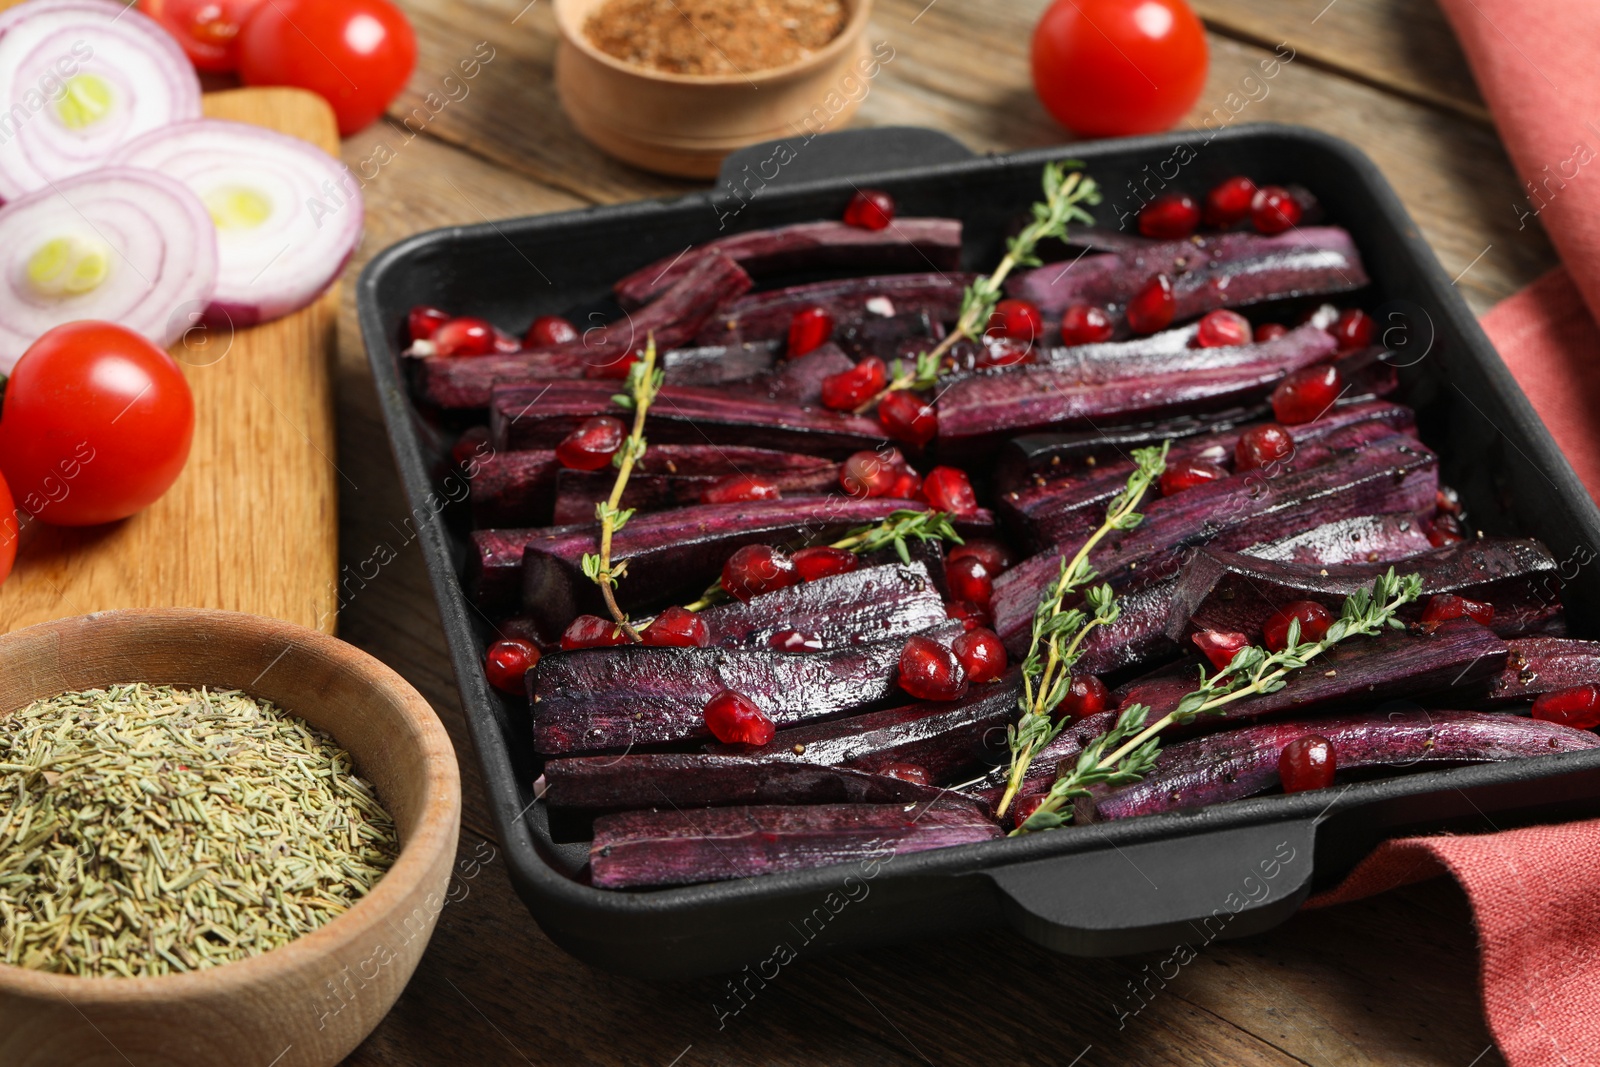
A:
870,209
1229,201
1025,807
507,661
677,628
591,631
998,351
994,555
970,580
823,561
1019,320
1222,329
1306,394
1442,606
464,337
547,330
947,489
617,367
1353,329
981,653
1270,331
1169,217
1153,306
738,488
757,569
1314,622
1446,530
424,321
1274,210
1219,646
868,474
1085,324
907,772
1307,763
1260,445
1086,695
1578,707
849,389
591,445
968,614
794,641
1186,474
809,329
905,417
734,719
474,443
504,342
929,671
907,486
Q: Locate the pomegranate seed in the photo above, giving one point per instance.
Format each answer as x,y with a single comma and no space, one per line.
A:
1274,210
1304,395
473,444
591,631
1086,695
967,613
549,330
1447,499
794,641
1446,530
464,337
809,329
424,321
734,719
1219,646
591,445
757,569
868,474
994,555
982,655
849,389
1314,622
907,486
677,628
970,580
907,418
1260,445
504,342
1026,806
947,489
929,671
1222,329
1442,606
823,562
870,209
1229,201
1186,474
1270,331
616,368
1153,306
1002,352
507,661
1578,707
738,488
1353,329
1307,763
907,772
1085,324
1170,216
1019,320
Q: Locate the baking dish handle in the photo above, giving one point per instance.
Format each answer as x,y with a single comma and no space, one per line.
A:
820,156
1164,894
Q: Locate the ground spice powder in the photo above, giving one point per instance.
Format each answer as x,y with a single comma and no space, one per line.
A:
714,36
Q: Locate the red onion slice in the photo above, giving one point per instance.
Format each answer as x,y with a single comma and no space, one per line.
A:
288,215
124,245
82,78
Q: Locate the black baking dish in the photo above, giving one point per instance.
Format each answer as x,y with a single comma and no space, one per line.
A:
1122,887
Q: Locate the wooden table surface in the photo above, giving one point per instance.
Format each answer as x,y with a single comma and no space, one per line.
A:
1387,981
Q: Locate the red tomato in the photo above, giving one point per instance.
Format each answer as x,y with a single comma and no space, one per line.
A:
357,54
206,30
8,531
96,425
1108,68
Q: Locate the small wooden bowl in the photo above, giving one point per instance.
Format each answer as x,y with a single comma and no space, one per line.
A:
310,1002
684,124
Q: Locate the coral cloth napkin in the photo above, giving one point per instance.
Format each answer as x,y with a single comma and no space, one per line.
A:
1535,892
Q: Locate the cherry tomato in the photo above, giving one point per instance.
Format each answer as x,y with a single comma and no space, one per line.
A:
1108,68
96,425
8,531
357,54
206,30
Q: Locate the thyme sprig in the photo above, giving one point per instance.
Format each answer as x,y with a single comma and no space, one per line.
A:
1253,671
1058,632
643,383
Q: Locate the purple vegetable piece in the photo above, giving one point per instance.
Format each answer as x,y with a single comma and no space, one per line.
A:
910,244
577,492
797,381
863,606
1225,270
766,316
1359,539
1045,767
514,488
892,337
1544,665
1238,763
657,848
719,364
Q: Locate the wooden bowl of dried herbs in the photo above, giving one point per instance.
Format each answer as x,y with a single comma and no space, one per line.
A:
223,839
675,85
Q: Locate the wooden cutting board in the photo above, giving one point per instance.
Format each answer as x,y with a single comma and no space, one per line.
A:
252,524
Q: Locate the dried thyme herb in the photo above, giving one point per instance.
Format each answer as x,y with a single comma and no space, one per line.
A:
146,830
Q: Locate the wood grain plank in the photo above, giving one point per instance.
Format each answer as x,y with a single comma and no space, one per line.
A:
251,524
